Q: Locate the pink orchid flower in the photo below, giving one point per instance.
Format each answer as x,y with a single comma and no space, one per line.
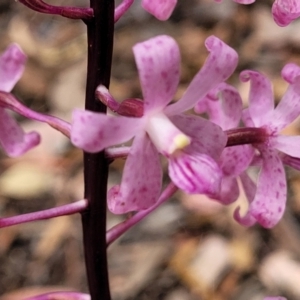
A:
268,204
224,108
190,143
161,9
284,11
12,138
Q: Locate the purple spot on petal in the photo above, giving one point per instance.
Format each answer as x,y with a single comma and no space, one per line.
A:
116,127
143,189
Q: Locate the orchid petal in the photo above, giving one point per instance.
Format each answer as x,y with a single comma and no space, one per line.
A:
244,1
9,101
93,132
257,160
229,191
219,65
203,106
249,186
240,1
261,100
211,106
269,202
232,106
285,11
195,173
235,160
12,63
248,220
141,181
161,9
250,190
290,161
207,137
227,111
288,108
287,144
275,298
290,72
247,120
158,63
165,135
13,139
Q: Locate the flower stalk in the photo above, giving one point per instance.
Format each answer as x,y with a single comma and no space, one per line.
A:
64,11
116,231
63,210
100,31
247,135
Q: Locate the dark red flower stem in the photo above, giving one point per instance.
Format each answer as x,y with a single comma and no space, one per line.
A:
247,135
100,45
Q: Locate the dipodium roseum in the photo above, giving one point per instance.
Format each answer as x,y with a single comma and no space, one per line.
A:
161,9
284,11
12,138
268,204
190,143
224,107
275,298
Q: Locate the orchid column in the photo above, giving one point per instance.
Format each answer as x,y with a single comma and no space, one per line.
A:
100,43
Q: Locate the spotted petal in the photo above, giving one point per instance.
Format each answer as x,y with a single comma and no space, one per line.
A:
275,298
290,72
285,11
250,190
288,108
161,9
223,105
287,144
141,181
158,62
261,100
195,173
229,190
247,118
291,161
93,132
207,137
194,170
269,202
12,63
220,64
13,139
235,160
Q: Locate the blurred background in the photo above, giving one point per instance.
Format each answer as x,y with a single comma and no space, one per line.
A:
190,248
